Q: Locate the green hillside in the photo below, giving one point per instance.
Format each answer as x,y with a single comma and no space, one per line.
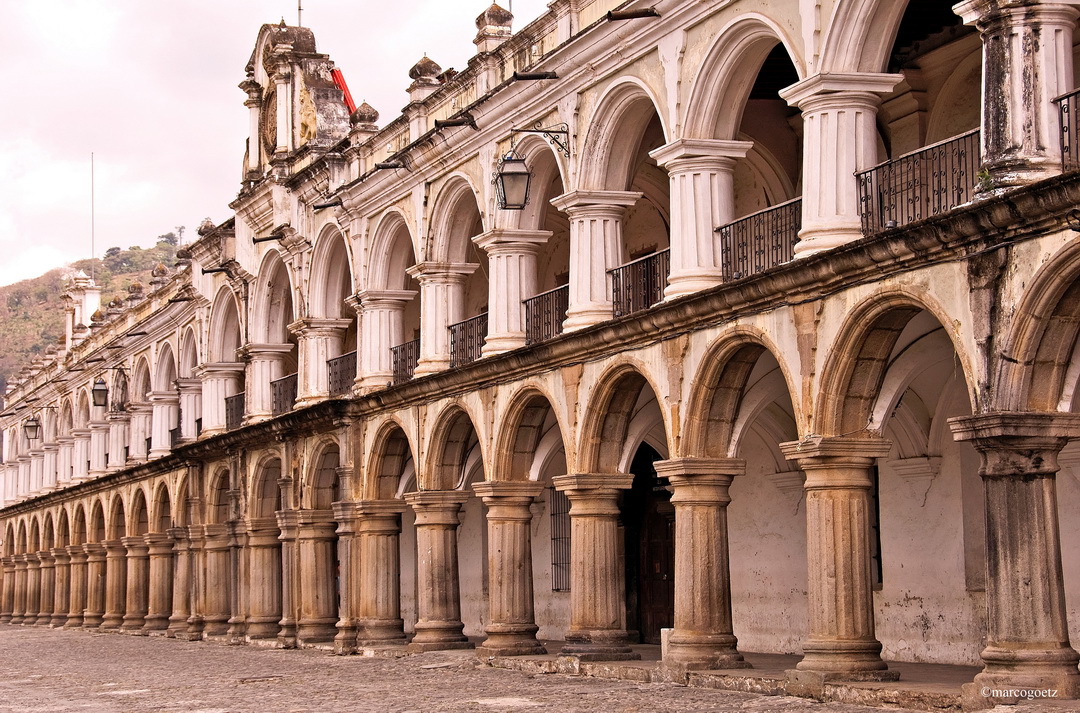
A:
32,315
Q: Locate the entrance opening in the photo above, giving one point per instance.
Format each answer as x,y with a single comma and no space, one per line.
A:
648,519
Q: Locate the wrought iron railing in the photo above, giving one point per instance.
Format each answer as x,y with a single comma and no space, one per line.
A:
342,373
467,339
1069,104
174,437
639,284
920,184
234,410
545,313
282,394
404,358
761,240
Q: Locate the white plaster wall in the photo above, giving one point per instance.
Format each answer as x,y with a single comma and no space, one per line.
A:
407,544
767,536
472,567
923,611
552,608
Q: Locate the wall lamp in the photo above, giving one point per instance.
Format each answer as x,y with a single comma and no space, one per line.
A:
512,178
100,392
32,426
614,15
463,120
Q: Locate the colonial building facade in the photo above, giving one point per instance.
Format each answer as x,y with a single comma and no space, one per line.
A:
780,354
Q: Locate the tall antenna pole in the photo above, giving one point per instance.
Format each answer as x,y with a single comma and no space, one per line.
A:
299,13
92,251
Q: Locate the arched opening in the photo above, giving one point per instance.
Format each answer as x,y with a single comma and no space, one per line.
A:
116,566
138,565
273,352
391,323
189,386
320,592
264,553
219,552
165,398
162,562
331,285
223,376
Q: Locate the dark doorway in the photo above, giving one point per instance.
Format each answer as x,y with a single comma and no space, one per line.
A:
648,519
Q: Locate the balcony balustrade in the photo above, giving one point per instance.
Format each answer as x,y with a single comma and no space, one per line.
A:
1069,105
761,240
234,411
467,339
342,373
639,284
920,184
545,313
404,358
282,395
174,438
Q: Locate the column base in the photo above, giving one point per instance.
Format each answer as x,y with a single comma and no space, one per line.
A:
316,631
499,343
263,627
1017,675
846,660
439,635
73,622
133,625
688,283
419,648
57,621
688,651
431,366
511,640
91,621
587,317
602,645
156,622
377,632
44,619
817,240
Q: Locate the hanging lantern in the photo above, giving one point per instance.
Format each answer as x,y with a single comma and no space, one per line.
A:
512,179
100,392
32,428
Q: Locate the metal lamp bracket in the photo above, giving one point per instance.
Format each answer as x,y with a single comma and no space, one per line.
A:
557,135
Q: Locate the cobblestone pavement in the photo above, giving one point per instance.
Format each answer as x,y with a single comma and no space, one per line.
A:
49,670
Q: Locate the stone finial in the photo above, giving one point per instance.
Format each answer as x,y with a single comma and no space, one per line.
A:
159,270
494,16
364,115
425,71
97,319
205,227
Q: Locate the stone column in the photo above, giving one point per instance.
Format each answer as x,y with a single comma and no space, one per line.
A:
61,587
47,589
237,592
701,176
379,570
438,623
118,440
37,471
95,585
165,405
319,341
216,611
182,583
80,454
289,525
77,586
190,407
442,303
703,635
139,430
318,577
839,138
65,459
252,160
137,566
1027,62
219,381
1027,638
18,609
7,599
382,314
841,644
597,577
596,246
159,605
264,364
50,466
33,588
24,475
115,584
511,628
264,585
511,279
348,589
99,446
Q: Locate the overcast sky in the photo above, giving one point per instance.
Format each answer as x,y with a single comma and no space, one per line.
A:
151,89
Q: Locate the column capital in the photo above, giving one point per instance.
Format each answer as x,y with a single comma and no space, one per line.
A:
581,203
189,384
512,240
436,272
836,462
672,156
61,555
1017,443
265,351
699,467
508,489
372,299
312,327
132,542
380,507
219,368
575,482
160,397
439,508
972,11
819,87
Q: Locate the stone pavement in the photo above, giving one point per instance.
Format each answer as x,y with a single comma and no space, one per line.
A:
46,670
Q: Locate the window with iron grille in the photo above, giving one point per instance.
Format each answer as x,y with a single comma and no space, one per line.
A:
560,541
